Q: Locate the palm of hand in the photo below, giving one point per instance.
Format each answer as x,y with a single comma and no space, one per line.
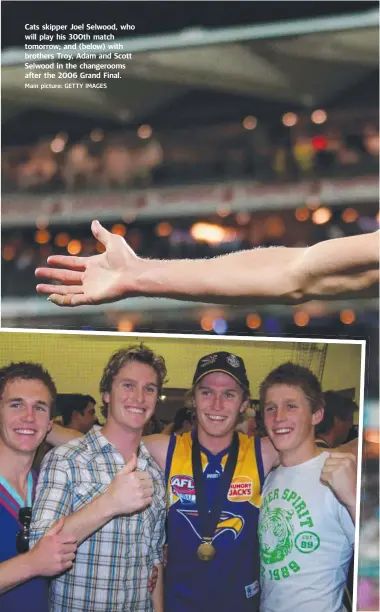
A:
106,276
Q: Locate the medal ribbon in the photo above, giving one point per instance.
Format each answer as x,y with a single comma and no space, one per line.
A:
208,519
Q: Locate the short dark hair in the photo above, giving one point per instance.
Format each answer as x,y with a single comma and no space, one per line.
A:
139,353
67,403
336,405
296,376
181,416
24,370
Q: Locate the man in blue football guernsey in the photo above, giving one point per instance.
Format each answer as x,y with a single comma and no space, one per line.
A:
214,472
27,395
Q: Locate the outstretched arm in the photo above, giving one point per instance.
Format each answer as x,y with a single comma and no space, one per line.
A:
334,268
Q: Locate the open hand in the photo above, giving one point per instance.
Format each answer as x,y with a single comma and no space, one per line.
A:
92,280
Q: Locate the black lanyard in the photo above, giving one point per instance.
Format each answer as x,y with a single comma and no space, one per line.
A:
208,519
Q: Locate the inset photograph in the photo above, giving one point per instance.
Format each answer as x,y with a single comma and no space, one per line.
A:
179,473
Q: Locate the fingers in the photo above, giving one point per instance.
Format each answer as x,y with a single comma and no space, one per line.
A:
341,456
64,276
69,556
70,541
144,476
59,289
57,527
78,299
130,466
68,261
334,462
100,233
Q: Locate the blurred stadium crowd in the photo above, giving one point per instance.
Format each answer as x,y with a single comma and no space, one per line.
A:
321,145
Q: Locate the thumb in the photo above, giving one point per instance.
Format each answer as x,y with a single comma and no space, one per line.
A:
131,465
100,233
57,527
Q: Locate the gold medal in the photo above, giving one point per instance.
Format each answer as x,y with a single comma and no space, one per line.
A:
206,551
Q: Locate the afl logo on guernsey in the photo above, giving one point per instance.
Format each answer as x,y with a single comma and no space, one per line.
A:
241,489
183,487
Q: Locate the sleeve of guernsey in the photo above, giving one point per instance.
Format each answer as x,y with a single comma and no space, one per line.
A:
53,496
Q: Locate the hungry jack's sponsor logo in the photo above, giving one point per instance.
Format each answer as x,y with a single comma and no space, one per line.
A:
241,489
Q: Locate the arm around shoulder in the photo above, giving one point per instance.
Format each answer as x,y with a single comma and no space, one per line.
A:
157,445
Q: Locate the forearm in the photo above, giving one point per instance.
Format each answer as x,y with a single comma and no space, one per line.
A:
61,435
282,275
84,522
158,593
16,571
237,277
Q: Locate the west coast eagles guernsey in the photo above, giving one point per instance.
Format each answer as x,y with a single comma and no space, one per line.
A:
306,541
231,580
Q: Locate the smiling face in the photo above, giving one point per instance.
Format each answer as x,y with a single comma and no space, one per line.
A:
219,400
133,396
289,420
25,411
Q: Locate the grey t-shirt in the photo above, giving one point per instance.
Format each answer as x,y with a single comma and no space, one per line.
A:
306,541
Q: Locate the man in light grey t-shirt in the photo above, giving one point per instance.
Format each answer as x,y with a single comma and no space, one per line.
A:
306,530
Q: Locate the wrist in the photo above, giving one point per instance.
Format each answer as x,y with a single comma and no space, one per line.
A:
30,562
107,505
145,279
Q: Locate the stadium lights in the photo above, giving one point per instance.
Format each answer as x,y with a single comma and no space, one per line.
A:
321,215
347,317
302,214
74,247
62,239
242,218
274,226
9,252
163,229
206,323
301,318
144,132
319,116
119,229
206,232
57,144
350,215
289,119
253,321
125,325
319,143
42,236
249,122
97,135
220,326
